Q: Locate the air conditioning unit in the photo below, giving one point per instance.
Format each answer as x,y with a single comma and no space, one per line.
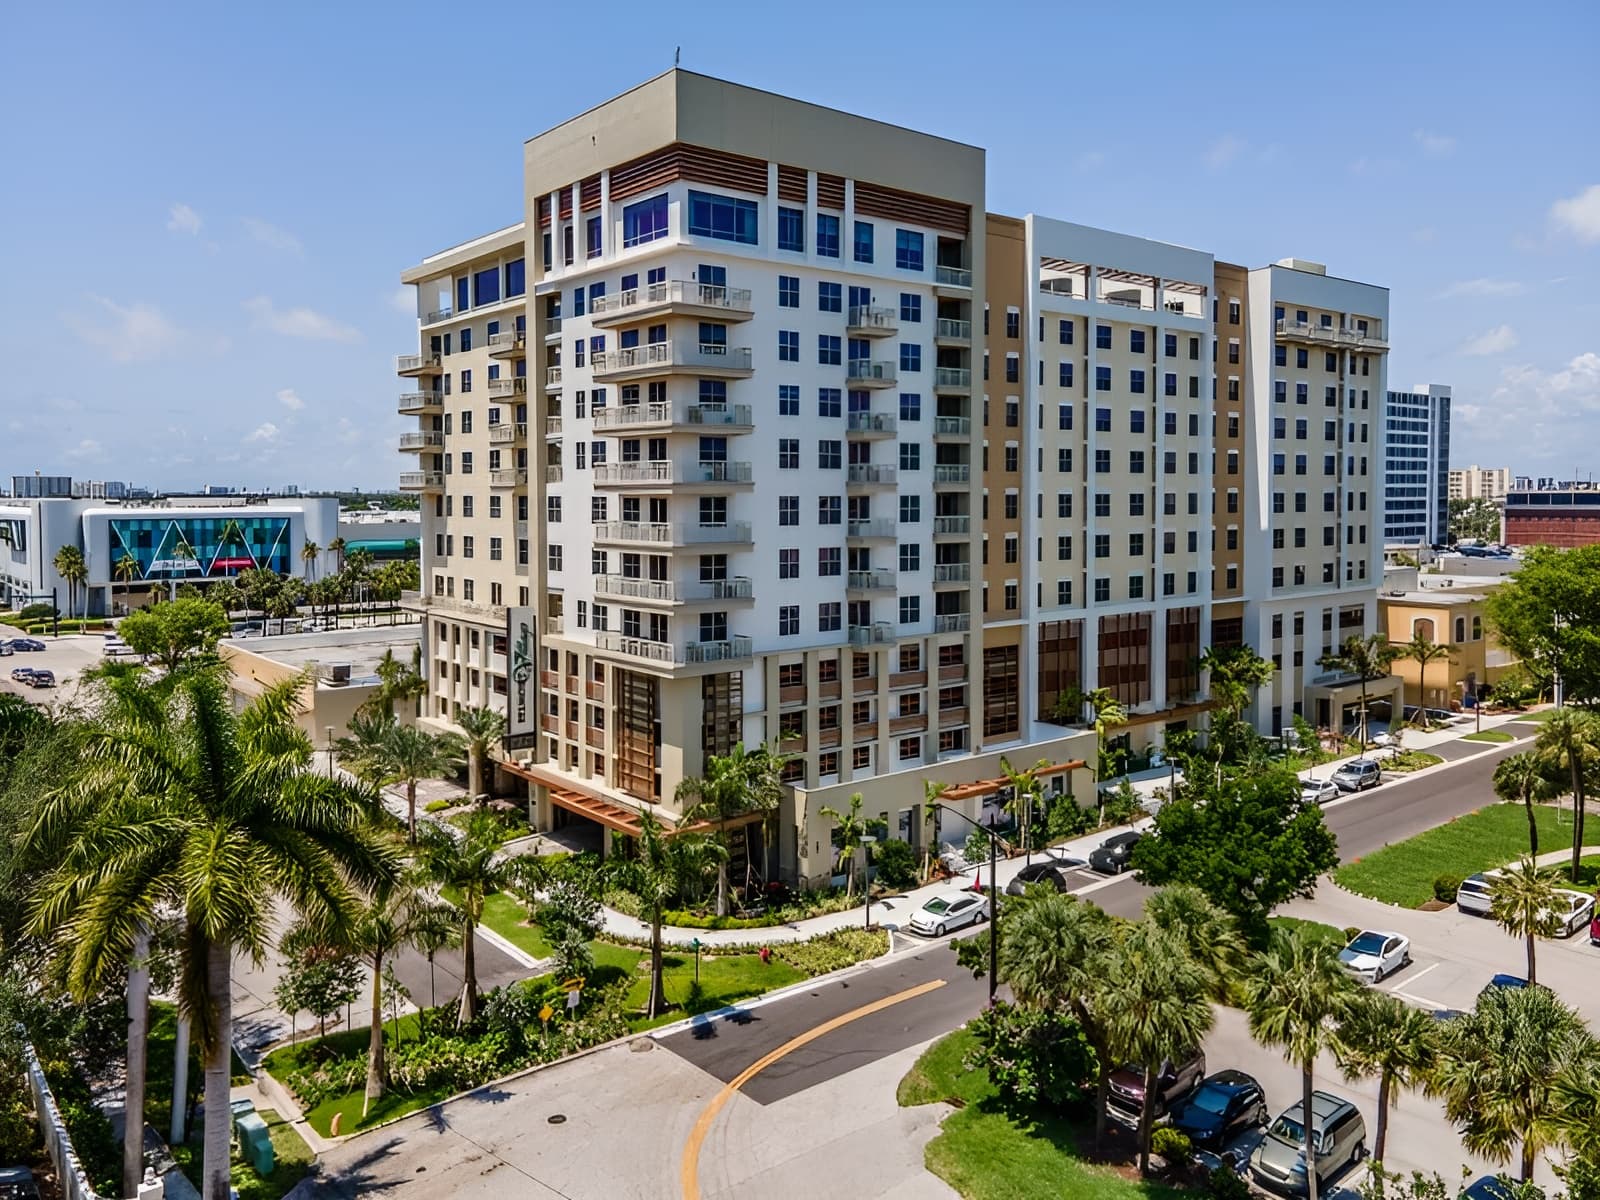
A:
339,674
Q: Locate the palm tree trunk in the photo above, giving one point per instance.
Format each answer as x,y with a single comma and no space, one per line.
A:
1533,826
1532,979
1385,1086
215,1166
722,886
1363,750
138,1033
1309,1125
474,775
1144,1120
658,991
1527,1161
1577,810
1102,1092
377,1070
411,810
468,1012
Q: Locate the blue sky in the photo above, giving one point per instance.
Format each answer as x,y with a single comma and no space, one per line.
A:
207,207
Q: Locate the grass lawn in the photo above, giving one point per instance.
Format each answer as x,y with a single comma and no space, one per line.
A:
987,1154
1411,760
509,919
1489,735
1316,929
724,979
1540,717
287,1059
292,1161
1403,873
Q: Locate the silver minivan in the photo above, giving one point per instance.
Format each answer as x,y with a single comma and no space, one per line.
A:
1339,1136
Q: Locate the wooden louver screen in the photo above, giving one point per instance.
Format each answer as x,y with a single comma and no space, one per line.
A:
589,193
873,200
680,161
792,184
543,209
566,203
830,191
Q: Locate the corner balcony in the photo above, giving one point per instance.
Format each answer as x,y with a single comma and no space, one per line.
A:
512,344
957,279
952,622
415,443
512,477
552,427
959,428
864,475
517,385
870,581
552,379
704,359
879,633
663,416
879,529
672,298
506,433
957,526
729,650
416,364
419,402
868,426
660,474
553,473
733,649
669,592
422,481
952,475
670,533
948,332
552,328
1333,335
952,381
952,573
865,373
866,321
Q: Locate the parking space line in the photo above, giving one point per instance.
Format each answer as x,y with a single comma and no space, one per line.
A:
1417,976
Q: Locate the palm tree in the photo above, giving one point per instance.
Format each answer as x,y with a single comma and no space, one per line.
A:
1108,714
1423,650
281,606
1368,659
308,557
398,682
336,548
1236,673
384,752
1500,1071
742,781
1294,993
483,728
472,868
932,792
1155,1007
1209,934
657,874
851,830
1523,903
1382,1035
1521,777
69,564
180,806
1570,742
126,570
1577,1091
1027,792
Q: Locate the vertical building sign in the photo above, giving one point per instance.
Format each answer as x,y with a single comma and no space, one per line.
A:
521,691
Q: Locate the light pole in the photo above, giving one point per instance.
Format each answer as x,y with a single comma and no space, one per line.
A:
994,897
867,842
329,732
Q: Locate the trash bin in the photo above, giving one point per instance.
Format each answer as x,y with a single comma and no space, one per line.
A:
255,1143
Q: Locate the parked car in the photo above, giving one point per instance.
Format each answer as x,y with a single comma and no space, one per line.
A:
24,643
1039,872
949,910
1110,857
17,1183
1357,775
41,678
1473,895
1574,910
1372,954
1488,1187
5,649
1338,1138
1502,980
1318,791
1223,1106
21,674
1174,1081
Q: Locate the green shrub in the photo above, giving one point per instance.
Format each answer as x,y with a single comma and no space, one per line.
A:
685,919
897,864
976,847
1223,1184
1351,932
1035,1057
434,806
1445,887
1171,1144
625,902
36,612
1121,806
833,951
1066,818
816,904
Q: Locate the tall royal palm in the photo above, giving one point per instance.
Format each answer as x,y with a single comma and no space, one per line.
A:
1383,1036
384,752
1523,903
472,868
1237,673
483,727
1522,779
1569,743
70,565
127,571
1369,660
1294,993
851,827
180,807
734,785
664,866
308,557
1423,650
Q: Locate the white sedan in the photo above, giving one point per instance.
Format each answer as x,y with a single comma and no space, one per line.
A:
1317,791
1372,954
949,910
1574,910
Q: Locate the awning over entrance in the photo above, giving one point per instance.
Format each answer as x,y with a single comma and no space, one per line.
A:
606,811
987,787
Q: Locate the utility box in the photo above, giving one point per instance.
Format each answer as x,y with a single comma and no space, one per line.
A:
255,1143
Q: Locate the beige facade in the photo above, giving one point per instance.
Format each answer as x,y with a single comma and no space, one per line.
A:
1480,483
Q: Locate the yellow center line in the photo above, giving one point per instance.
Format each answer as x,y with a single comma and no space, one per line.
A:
690,1175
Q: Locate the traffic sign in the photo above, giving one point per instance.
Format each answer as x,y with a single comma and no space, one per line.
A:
546,1013
572,985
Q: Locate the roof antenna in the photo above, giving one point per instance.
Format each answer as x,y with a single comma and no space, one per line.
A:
677,54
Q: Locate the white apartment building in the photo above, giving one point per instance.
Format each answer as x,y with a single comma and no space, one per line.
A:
1480,483
1416,441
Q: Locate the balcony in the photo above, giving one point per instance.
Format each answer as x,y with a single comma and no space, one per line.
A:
952,381
877,529
417,442
665,533
552,626
416,364
519,530
952,573
952,622
645,474
661,358
667,591
952,474
958,526
437,315
879,633
865,373
517,385
505,433
947,331
869,425
512,477
870,475
952,277
1333,335
511,344
552,379
416,402
866,321
952,427
870,581
422,481
552,328
553,473
672,297
637,647
594,736
728,650
664,416
552,427
950,718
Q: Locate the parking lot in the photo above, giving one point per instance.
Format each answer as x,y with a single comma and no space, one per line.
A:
66,657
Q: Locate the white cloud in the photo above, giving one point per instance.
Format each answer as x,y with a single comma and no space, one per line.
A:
290,399
299,322
1434,145
87,450
1579,215
1495,341
1482,287
404,300
183,219
270,235
1223,151
264,432
127,333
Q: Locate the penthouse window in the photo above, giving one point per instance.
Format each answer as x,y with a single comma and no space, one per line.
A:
907,250
792,229
645,221
723,218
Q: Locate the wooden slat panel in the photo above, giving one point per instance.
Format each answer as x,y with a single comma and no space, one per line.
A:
543,209
589,193
566,202
873,200
792,183
697,163
830,191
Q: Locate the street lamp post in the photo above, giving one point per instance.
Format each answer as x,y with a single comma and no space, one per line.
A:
994,897
867,842
329,732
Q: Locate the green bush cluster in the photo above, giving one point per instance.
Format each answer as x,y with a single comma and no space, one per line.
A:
833,951
1173,1145
1035,1057
685,919
1445,887
896,862
624,901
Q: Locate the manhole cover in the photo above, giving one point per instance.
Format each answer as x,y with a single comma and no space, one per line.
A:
556,1118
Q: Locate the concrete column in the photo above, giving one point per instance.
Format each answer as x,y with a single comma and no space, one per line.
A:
811,216
557,265
607,238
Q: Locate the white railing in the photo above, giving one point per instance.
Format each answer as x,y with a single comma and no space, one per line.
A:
636,647
870,473
952,276
1057,287
695,355
500,434
421,481
952,426
723,651
718,414
508,341
952,525
1333,334
663,591
509,477
515,386
552,377
878,527
865,370
952,377
553,473
552,427
552,326
439,314
72,1181
417,401
642,472
952,572
870,635
673,291
631,414
945,327
879,320
665,533
422,441
870,581
868,422
405,363
719,472
952,473
952,622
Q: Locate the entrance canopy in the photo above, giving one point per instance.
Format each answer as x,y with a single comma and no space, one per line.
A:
607,811
987,787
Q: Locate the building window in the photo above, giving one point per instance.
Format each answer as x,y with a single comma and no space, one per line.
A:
911,308
829,297
1064,333
592,238
910,356
788,291
829,350
1102,379
788,400
827,236
788,454
828,562
788,510
908,250
828,617
828,402
910,610
788,345
788,620
645,221
863,242
792,229
723,217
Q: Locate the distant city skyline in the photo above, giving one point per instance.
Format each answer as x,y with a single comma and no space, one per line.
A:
217,297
